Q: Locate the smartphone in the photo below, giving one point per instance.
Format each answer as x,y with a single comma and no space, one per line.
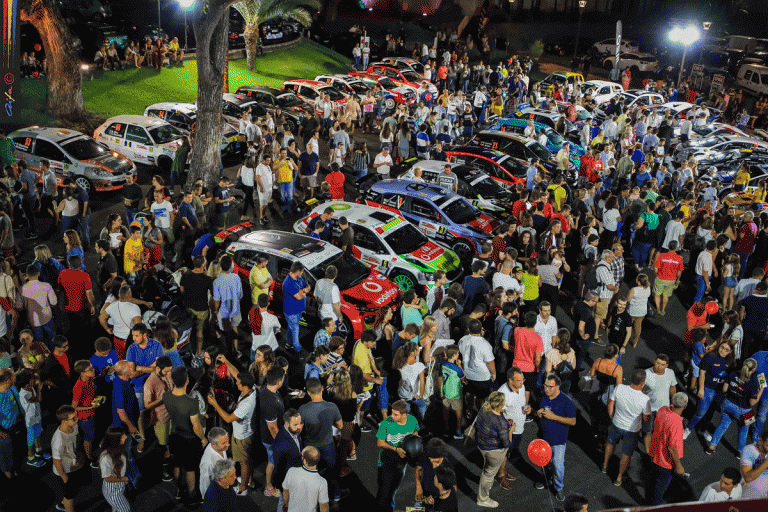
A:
138,437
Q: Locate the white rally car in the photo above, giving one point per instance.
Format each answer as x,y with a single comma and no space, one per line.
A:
73,154
143,139
184,115
602,91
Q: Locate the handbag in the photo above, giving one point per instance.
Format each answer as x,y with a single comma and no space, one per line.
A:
747,418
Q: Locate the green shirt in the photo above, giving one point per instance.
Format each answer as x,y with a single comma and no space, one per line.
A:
7,152
393,433
180,160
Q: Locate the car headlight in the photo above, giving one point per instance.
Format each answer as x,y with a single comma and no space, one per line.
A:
102,173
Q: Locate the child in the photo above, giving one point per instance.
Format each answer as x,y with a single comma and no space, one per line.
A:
730,270
445,480
339,154
319,228
450,383
113,464
336,357
133,255
30,395
383,389
325,193
697,353
83,395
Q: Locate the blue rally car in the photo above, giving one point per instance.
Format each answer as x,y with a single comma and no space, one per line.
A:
438,213
555,141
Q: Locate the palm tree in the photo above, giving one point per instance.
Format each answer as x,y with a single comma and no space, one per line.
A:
256,12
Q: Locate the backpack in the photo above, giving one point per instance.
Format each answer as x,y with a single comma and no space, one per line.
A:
564,370
591,281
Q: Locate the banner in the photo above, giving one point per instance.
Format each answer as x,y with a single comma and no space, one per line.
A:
10,62
722,506
615,72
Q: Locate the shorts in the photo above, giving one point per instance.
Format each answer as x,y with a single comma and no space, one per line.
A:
695,369
629,439
186,452
530,380
311,180
452,404
270,452
88,428
601,309
75,480
6,455
480,389
663,288
264,197
235,321
161,432
33,433
648,425
730,282
200,318
241,448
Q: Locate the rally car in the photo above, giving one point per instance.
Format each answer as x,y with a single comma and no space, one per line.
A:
345,84
515,146
601,90
73,154
390,245
632,98
438,213
143,139
716,149
405,63
547,86
363,290
403,77
551,119
502,168
393,93
555,141
273,98
310,90
184,115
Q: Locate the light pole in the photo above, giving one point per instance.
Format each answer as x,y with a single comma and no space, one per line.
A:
185,5
705,25
686,36
158,19
582,5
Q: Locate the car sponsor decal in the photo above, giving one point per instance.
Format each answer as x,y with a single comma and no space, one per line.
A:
391,224
339,207
427,228
428,252
483,222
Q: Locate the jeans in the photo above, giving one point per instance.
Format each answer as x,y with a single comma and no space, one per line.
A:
360,173
84,229
702,407
760,417
492,461
286,194
130,214
661,483
328,454
558,466
357,62
28,205
293,330
131,469
743,257
640,251
582,351
701,287
418,408
45,333
731,412
68,223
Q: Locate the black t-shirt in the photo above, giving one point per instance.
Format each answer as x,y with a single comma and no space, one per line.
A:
107,266
739,393
196,287
347,239
428,475
617,331
132,192
583,313
449,504
271,408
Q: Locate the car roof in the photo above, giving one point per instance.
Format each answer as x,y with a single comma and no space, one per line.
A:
541,112
180,107
437,166
52,134
758,66
238,99
311,83
361,214
506,135
145,121
290,245
270,90
677,105
426,190
476,150
599,83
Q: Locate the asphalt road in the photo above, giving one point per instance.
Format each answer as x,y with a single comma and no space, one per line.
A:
36,488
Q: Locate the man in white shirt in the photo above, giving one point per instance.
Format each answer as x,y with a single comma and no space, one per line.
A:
303,488
628,408
122,314
728,488
546,326
328,295
515,408
383,162
164,214
218,442
704,266
503,278
611,129
479,362
660,386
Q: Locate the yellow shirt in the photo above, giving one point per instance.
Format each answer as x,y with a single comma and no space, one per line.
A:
742,177
362,358
559,196
173,45
687,211
284,172
258,276
134,248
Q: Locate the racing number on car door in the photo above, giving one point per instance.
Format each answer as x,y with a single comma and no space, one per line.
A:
370,247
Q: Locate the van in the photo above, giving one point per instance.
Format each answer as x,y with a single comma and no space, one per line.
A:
754,78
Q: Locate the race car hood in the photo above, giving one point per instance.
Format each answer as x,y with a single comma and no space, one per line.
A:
372,293
484,224
110,162
433,257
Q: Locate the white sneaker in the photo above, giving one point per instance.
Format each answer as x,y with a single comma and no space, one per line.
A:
488,503
708,437
686,433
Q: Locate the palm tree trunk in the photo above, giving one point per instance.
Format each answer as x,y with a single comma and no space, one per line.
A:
251,35
64,93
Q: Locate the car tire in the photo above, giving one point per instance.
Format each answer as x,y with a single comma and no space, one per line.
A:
291,124
390,104
85,184
165,164
345,329
404,280
463,250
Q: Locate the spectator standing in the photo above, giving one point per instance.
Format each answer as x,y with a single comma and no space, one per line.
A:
725,489
36,299
295,290
754,311
112,464
515,410
667,446
754,468
132,195
528,352
218,442
660,386
475,286
271,409
220,496
195,288
286,449
704,269
391,462
558,414
669,267
155,387
479,361
83,394
79,295
11,422
745,243
383,162
123,314
494,436
67,461
742,393
227,293
303,488
144,352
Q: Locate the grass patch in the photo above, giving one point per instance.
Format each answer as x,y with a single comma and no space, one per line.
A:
113,93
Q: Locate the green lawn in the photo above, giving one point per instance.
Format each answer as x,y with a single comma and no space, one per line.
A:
130,92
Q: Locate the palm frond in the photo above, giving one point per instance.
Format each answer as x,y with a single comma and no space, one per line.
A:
259,11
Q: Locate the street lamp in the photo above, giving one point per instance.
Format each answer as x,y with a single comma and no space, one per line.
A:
185,5
582,5
705,25
686,36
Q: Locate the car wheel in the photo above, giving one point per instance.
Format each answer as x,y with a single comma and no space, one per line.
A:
463,250
390,104
291,124
345,329
165,164
85,184
404,280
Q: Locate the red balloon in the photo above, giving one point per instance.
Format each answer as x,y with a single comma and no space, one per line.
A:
540,452
38,47
712,307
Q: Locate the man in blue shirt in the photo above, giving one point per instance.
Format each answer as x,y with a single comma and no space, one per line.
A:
326,219
530,175
189,225
475,287
295,291
10,416
642,175
227,293
85,211
422,142
143,352
222,200
203,244
558,414
638,156
309,166
125,411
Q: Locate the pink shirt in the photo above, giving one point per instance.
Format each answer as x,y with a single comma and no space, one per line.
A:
527,345
154,387
36,298
667,431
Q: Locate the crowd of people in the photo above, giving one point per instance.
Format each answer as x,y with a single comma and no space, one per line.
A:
486,358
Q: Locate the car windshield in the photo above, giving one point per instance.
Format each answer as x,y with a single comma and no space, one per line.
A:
333,93
703,130
418,67
540,151
165,133
406,239
512,166
411,76
288,101
358,87
488,188
457,209
555,138
84,148
387,83
583,115
351,270
708,143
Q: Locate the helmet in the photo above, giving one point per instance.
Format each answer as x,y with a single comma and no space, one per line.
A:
414,447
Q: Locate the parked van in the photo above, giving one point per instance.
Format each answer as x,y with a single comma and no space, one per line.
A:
754,78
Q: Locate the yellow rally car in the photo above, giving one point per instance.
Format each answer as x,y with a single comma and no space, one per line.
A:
547,86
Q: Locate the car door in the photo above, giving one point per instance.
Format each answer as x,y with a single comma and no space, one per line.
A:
423,215
114,135
372,251
137,141
23,145
60,163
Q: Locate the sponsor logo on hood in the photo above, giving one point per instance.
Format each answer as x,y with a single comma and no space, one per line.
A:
428,252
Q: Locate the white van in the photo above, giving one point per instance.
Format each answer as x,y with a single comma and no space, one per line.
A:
754,78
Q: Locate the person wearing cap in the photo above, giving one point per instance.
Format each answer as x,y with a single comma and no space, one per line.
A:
383,162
